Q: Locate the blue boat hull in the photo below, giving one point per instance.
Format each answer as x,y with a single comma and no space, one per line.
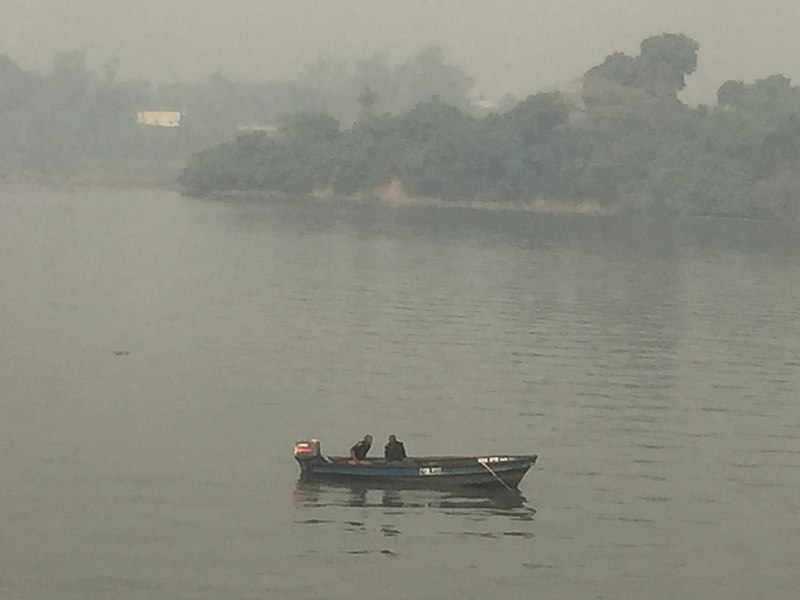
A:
502,471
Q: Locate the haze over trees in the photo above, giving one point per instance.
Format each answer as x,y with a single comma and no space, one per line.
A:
624,140
627,142
72,117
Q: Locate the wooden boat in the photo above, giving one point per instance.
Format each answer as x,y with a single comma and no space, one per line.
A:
428,471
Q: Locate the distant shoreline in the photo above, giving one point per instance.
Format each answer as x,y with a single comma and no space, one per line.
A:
390,195
393,195
110,178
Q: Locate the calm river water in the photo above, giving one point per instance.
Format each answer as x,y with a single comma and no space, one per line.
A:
160,355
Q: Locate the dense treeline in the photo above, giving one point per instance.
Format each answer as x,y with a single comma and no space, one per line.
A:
73,116
53,121
625,140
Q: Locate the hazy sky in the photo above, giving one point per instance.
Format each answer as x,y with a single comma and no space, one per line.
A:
519,46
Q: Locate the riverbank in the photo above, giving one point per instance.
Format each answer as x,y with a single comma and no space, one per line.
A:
136,177
393,194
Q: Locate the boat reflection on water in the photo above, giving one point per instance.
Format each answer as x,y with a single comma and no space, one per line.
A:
311,494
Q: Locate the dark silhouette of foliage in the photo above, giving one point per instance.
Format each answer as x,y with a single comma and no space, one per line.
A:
626,141
634,146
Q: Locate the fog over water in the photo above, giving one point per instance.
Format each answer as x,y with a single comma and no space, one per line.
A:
507,45
161,354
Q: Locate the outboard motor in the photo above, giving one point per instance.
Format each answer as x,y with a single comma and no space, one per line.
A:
305,451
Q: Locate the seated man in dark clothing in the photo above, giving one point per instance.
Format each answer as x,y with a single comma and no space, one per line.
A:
360,448
394,449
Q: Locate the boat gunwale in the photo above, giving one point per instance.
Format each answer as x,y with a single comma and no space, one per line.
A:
411,461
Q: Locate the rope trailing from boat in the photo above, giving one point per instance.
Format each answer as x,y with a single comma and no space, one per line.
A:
496,476
530,508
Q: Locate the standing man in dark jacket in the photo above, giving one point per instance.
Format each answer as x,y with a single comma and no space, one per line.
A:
360,448
394,449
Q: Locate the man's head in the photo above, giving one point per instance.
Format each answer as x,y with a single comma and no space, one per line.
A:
392,438
368,439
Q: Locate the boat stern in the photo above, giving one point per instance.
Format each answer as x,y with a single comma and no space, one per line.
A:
306,451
